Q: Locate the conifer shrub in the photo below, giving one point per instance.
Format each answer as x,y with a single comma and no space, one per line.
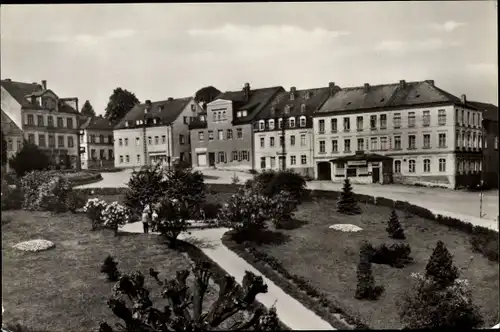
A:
347,204
109,266
394,228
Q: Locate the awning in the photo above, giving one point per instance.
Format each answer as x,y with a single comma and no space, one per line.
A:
362,156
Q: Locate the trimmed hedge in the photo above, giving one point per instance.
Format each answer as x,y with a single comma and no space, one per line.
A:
90,178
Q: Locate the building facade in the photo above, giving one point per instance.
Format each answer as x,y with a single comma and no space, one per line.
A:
45,119
222,136
96,143
13,135
414,123
283,134
155,132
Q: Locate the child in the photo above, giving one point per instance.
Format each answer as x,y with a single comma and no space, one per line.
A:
146,218
154,219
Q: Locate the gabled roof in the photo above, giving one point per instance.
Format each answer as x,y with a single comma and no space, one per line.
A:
257,100
490,111
8,125
166,111
388,95
96,123
317,98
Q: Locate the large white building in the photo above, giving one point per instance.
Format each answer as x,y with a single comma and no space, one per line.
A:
409,132
96,143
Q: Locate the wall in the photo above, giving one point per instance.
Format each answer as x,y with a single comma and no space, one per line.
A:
13,137
11,107
181,128
490,154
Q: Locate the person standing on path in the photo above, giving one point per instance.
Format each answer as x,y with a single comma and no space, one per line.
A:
154,217
146,217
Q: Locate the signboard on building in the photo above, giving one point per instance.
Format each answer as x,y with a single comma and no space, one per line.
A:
357,163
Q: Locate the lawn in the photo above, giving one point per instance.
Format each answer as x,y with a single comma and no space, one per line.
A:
328,259
61,289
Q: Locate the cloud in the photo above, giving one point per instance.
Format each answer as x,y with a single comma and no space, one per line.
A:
447,26
399,47
85,39
120,33
483,68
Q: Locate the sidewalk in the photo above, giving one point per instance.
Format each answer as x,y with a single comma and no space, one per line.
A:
291,312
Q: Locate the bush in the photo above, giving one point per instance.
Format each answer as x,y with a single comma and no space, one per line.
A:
440,267
270,183
485,241
76,200
394,228
30,185
94,208
347,204
281,208
382,201
114,215
12,197
235,179
29,158
395,255
53,195
211,210
366,288
172,219
145,186
186,186
109,267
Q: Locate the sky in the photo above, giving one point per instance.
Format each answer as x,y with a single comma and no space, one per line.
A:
168,50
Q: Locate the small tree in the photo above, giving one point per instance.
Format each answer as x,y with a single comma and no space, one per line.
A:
186,186
145,186
114,215
120,102
109,267
347,204
366,288
29,158
440,267
394,227
87,109
94,208
235,179
281,208
172,219
270,183
142,316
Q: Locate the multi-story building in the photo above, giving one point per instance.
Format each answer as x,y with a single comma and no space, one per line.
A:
410,132
283,134
490,143
96,143
45,119
155,132
13,135
222,136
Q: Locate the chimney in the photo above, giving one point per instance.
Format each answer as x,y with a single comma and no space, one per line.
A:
33,100
331,86
44,84
402,84
246,90
307,95
464,99
8,80
148,106
431,82
293,90
170,99
367,87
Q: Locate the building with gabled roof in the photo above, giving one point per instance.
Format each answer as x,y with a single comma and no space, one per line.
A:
96,143
222,136
155,132
45,119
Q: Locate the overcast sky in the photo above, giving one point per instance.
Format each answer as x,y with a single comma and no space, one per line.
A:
163,50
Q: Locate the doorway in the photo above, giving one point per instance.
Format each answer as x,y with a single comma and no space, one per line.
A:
211,159
375,175
324,171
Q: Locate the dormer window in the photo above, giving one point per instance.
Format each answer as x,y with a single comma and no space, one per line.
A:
244,113
271,124
303,108
138,122
126,123
193,107
155,121
280,123
302,121
287,109
261,125
273,112
292,122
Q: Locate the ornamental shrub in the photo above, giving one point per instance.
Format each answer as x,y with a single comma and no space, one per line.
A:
172,219
30,183
94,208
53,195
395,255
394,228
109,267
281,208
186,186
440,267
114,215
29,158
270,183
365,287
347,203
145,186
12,197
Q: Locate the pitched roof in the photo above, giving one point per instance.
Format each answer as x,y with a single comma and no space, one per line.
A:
490,111
388,95
96,123
257,100
20,91
166,111
316,99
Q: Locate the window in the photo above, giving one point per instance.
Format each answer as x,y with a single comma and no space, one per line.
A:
383,143
40,120
441,117
157,140
92,138
234,155
239,133
137,141
282,141
121,159
127,158
303,121
69,123
303,159
138,158
373,144
442,165
150,140
411,119
41,140
224,117
110,138
427,141
221,157
411,166
361,144
262,142
262,125
60,123
335,145
442,140
427,165
185,120
220,134
397,166
495,143
201,136
322,147
280,123
302,140
70,142
468,119
426,119
262,162
60,141
347,145
182,139
31,138
397,142
126,141
383,121
397,120
411,142
50,121
333,123
218,114
359,123
270,123
292,140
52,141
164,138
347,124
110,154
474,141
273,162
293,160
321,126
10,144
210,135
373,122
463,117
120,142
292,122
30,118
271,141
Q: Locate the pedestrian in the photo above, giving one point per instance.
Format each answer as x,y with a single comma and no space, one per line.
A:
154,220
146,218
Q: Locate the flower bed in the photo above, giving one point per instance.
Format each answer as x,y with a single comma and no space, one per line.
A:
35,245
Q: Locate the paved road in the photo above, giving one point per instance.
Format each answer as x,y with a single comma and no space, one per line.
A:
459,204
290,311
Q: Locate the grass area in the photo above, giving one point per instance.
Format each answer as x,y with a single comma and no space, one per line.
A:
328,260
62,289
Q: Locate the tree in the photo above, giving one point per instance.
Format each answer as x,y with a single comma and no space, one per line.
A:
4,150
120,102
347,204
394,227
29,158
206,95
270,183
186,186
440,267
366,288
145,186
87,109
172,219
184,311
281,208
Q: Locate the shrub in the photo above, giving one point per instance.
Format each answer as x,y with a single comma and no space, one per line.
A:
186,186
53,195
145,186
395,255
440,267
210,210
235,179
114,215
431,306
172,219
366,288
347,204
76,200
270,183
394,228
109,267
281,208
30,184
94,208
485,241
12,197
29,158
